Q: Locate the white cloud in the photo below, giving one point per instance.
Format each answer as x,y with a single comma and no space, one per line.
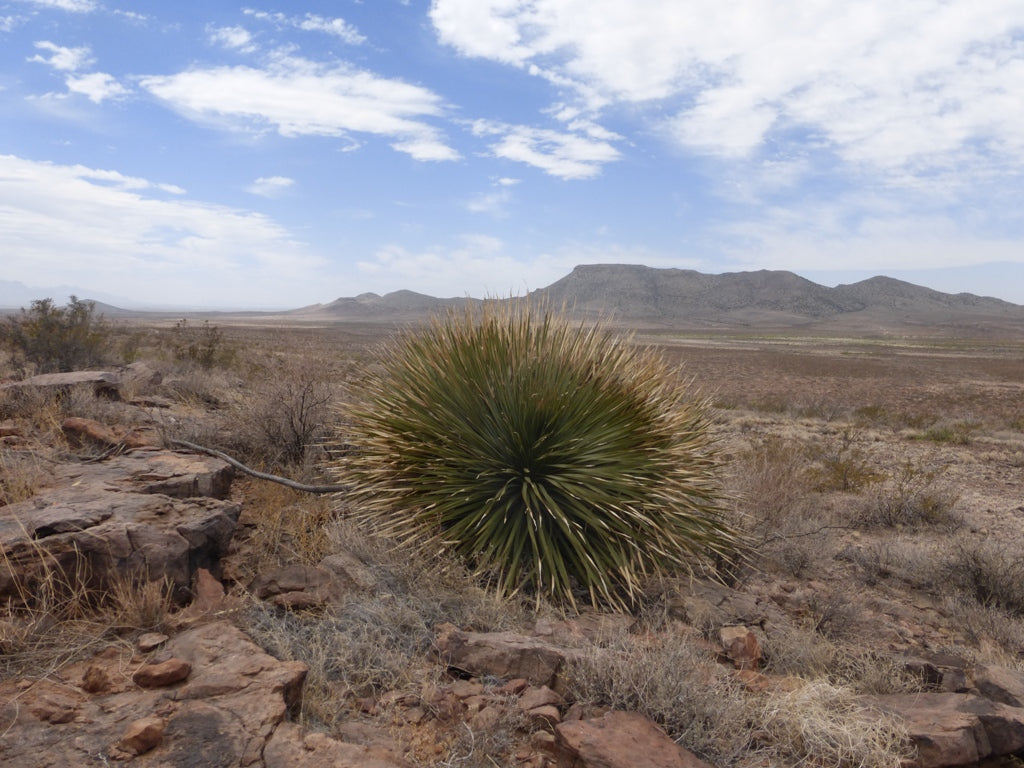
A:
565,155
479,263
7,23
876,235
233,38
75,6
62,58
301,98
311,22
97,227
97,86
270,186
905,88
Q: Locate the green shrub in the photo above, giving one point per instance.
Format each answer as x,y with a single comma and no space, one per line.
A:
56,339
203,345
550,455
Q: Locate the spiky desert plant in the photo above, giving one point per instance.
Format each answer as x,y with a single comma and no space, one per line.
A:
554,455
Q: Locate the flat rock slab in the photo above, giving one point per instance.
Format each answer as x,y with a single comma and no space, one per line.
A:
146,515
957,728
505,655
619,740
224,714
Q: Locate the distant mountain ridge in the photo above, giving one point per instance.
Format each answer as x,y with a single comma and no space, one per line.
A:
666,297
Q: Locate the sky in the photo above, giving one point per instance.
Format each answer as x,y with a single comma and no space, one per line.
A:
276,155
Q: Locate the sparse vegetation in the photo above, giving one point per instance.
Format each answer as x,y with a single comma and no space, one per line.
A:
874,530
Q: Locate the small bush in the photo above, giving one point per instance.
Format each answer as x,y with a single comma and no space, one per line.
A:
552,455
843,464
989,573
51,339
202,345
286,418
912,498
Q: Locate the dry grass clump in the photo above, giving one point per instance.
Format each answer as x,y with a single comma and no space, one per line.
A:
990,573
58,615
703,708
912,497
378,640
825,725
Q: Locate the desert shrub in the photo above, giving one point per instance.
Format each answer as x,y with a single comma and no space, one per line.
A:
960,432
285,417
771,481
50,338
843,463
989,573
551,455
912,497
202,345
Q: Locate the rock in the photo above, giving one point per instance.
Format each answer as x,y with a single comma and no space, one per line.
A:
298,586
708,603
224,715
619,740
103,383
504,655
951,729
83,429
146,515
351,570
150,641
1000,684
163,674
292,746
741,647
587,627
142,735
540,697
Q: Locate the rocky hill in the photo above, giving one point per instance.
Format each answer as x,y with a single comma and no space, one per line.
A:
647,296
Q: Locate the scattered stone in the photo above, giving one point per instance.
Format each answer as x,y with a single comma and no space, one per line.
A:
619,740
298,586
142,735
499,654
539,697
350,570
150,641
163,674
741,647
95,680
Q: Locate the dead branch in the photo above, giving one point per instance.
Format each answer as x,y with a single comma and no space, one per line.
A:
318,489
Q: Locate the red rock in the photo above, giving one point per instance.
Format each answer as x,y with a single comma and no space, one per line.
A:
150,641
541,696
142,735
619,740
163,674
742,647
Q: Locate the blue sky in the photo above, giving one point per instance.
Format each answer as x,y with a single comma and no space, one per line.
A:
276,155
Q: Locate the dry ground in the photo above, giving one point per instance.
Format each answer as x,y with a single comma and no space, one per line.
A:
881,481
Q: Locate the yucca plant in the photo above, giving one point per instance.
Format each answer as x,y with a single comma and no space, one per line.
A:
554,455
